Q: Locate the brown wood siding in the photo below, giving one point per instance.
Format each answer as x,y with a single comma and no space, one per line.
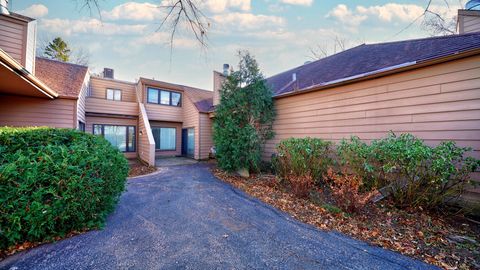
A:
191,120
436,103
178,127
99,88
146,143
12,39
206,135
158,112
21,111
164,113
97,105
91,120
471,24
81,101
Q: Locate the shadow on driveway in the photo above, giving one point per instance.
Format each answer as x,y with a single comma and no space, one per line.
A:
185,218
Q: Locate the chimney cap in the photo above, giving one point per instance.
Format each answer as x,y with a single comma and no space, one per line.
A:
226,68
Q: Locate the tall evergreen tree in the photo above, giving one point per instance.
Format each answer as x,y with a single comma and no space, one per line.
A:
57,49
243,119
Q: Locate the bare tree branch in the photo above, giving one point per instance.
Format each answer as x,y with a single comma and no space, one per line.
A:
320,51
185,13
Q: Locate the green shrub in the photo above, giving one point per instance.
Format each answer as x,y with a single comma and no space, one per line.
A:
299,157
355,157
54,181
416,174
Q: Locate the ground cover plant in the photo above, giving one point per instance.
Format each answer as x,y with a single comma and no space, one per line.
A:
394,192
55,182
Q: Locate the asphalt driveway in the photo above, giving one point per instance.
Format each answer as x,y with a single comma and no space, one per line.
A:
185,218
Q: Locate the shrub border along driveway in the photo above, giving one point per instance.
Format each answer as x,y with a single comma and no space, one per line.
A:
183,217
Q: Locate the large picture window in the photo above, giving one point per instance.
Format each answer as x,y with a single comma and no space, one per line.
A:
164,97
165,138
122,137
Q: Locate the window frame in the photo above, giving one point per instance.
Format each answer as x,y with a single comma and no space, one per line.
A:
81,125
160,138
114,91
127,137
159,97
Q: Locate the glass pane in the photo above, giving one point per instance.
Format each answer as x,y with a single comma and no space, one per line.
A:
110,94
152,95
97,129
117,136
176,99
167,138
156,137
165,97
118,95
131,139
191,142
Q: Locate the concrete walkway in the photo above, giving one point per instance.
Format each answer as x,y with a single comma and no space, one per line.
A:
174,161
185,218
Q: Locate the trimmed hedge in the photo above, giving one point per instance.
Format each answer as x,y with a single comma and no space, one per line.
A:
54,181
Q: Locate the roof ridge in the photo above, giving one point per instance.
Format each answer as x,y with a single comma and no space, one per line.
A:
318,60
61,62
426,38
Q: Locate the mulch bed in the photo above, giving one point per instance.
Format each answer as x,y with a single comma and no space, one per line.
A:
138,169
450,242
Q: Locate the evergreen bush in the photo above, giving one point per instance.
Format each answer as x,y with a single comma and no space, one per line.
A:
54,181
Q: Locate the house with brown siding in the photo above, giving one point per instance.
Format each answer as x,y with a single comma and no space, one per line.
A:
428,87
144,119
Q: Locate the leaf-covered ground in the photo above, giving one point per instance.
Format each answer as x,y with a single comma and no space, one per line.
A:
138,169
450,242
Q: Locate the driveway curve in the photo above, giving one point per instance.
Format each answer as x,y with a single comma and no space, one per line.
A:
185,218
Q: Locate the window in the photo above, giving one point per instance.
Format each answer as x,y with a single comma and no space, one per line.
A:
164,97
176,99
122,137
165,138
81,126
114,94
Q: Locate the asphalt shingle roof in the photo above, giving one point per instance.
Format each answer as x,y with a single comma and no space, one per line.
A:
64,78
368,58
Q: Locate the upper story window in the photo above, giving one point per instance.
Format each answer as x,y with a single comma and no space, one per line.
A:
114,94
164,97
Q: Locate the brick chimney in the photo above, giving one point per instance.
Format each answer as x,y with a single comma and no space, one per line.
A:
18,36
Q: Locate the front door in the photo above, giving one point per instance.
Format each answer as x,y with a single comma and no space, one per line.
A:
188,142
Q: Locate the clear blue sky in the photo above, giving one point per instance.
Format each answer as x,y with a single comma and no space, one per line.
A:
279,33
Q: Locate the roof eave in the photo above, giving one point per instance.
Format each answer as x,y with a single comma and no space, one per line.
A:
382,72
24,74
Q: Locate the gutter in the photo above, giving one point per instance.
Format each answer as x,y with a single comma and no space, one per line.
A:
381,72
14,66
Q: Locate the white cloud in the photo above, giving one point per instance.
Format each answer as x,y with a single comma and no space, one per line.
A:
246,21
392,11
34,11
298,2
218,6
162,38
346,16
153,11
134,11
89,26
